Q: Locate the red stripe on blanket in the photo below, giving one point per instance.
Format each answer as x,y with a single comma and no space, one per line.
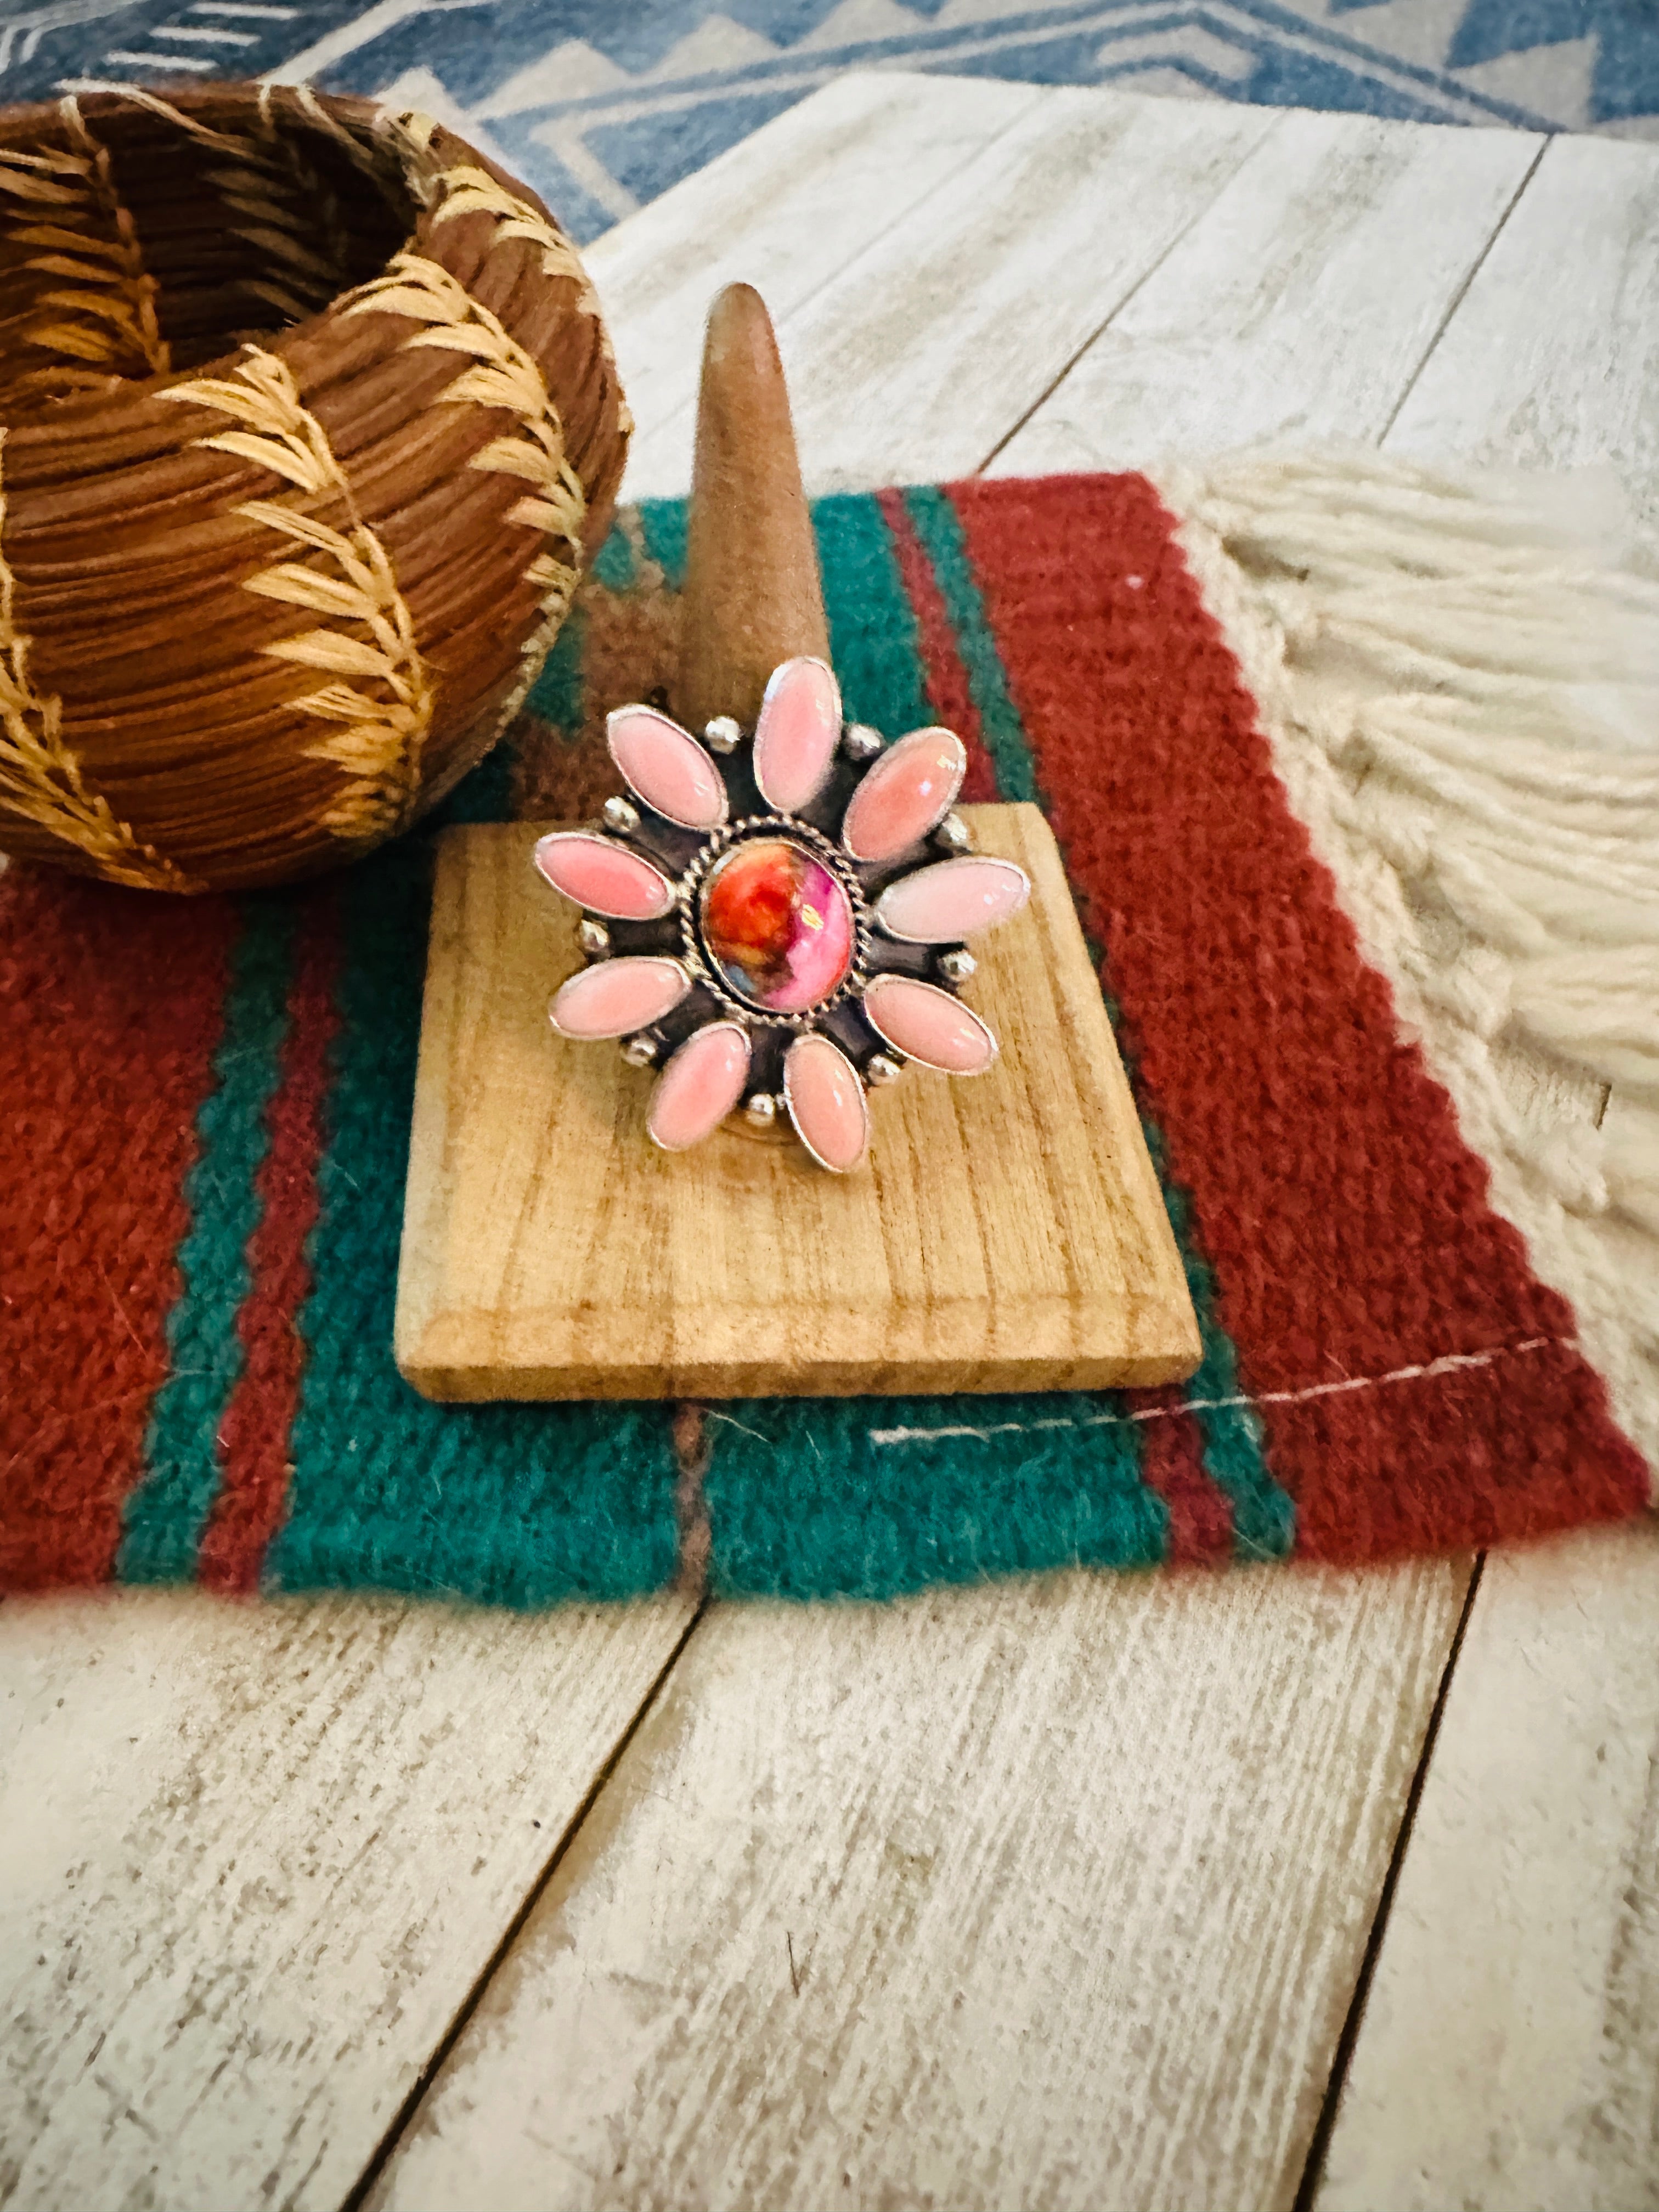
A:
110,1011
1514,1448
948,691
1172,1463
253,1436
1346,1219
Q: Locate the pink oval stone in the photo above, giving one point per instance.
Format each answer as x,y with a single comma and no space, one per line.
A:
699,1087
615,997
797,735
954,899
666,768
928,1024
777,924
907,792
604,877
826,1103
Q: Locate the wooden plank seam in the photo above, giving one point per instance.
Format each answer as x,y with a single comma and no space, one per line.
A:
1313,2170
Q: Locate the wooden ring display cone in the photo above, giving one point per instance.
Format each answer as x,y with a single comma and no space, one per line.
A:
1007,1235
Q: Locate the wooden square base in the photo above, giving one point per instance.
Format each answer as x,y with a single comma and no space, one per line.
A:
1007,1233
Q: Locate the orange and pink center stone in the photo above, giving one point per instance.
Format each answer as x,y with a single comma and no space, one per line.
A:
777,924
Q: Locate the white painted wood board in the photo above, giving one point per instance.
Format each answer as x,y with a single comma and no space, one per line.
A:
784,210
252,1858
1508,2058
954,323
1553,359
1035,1896
1301,304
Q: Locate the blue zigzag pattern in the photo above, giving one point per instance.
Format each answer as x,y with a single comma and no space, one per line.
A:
602,106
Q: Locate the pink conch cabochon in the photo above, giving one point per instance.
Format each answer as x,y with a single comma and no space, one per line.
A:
604,877
928,1024
700,1086
826,1103
615,997
953,899
797,735
666,768
907,791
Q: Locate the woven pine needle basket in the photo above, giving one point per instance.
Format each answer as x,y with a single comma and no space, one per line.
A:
308,421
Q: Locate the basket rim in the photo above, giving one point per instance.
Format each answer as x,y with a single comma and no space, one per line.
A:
290,477
409,149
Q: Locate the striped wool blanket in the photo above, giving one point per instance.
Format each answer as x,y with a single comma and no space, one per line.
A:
1353,770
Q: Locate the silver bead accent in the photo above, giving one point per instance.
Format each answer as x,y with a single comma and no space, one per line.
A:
860,742
722,735
760,1111
619,815
882,1070
957,965
954,834
640,1051
594,938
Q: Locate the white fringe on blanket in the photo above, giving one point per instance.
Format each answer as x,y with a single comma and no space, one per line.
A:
1459,676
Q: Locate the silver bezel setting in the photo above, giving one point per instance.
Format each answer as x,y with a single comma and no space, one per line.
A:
752,830
684,857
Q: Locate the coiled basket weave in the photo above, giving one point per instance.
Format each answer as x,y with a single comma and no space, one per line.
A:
308,421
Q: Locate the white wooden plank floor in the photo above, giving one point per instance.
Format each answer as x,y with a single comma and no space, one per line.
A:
1045,1897
1053,1895
1302,305
1553,359
251,1860
951,324
1507,2056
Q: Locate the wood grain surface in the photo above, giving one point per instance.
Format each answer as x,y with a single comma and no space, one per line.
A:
1552,358
950,348
1301,304
1007,1233
782,211
1508,2057
252,1859
1045,1895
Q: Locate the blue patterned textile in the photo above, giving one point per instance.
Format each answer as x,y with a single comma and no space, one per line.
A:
603,103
